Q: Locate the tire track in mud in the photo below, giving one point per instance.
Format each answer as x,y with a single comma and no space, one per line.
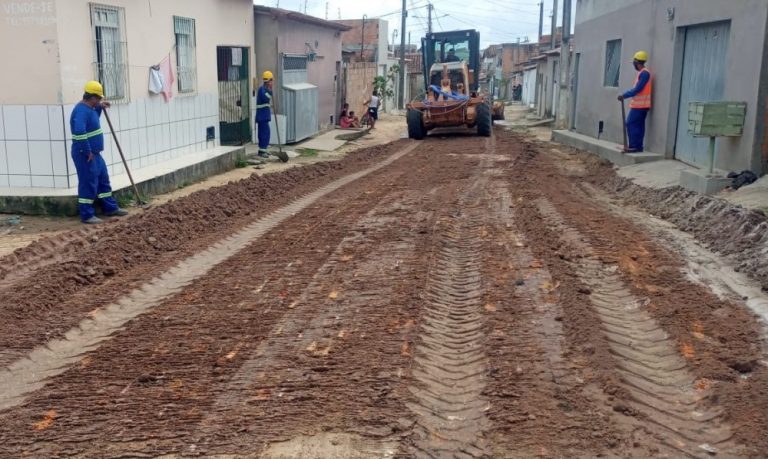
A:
29,373
535,391
450,357
43,252
672,404
343,307
450,360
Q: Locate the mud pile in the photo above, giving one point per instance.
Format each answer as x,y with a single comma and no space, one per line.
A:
738,233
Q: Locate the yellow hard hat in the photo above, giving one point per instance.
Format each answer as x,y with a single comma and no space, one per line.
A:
266,76
641,56
94,87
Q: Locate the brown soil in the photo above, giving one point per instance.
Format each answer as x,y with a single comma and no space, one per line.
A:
456,301
739,233
720,340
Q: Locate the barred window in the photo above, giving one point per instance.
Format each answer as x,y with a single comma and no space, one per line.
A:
294,63
110,51
186,62
612,63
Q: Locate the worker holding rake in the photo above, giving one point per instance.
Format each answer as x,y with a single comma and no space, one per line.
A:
87,144
639,105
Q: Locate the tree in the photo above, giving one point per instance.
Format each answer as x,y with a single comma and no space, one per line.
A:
383,85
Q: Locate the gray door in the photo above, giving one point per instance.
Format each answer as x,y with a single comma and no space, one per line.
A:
703,79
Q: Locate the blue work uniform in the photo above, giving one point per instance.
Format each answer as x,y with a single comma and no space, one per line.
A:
92,177
263,116
638,112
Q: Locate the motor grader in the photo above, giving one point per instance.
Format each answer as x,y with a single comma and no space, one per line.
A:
451,69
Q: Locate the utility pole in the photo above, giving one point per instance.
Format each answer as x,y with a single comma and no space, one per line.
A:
554,25
563,115
541,20
339,13
429,18
401,94
362,39
327,4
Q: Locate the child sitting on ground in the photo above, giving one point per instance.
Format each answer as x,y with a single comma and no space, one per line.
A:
349,121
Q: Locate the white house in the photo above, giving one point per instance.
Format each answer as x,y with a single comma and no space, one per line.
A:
50,49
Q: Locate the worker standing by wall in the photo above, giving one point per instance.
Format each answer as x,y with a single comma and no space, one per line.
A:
640,103
264,113
87,145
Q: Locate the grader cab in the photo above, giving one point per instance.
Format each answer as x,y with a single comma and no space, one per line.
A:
451,99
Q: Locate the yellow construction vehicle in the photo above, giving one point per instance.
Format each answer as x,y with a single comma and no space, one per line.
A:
451,70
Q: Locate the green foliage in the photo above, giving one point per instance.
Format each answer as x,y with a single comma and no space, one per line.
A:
384,85
241,163
124,200
307,152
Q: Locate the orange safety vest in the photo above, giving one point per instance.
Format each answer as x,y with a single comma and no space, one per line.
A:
643,98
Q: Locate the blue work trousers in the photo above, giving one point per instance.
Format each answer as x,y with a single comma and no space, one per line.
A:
263,135
92,184
636,127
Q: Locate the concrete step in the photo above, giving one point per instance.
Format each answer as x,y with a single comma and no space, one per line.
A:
604,149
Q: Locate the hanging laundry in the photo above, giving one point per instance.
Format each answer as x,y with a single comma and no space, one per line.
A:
237,57
166,71
156,82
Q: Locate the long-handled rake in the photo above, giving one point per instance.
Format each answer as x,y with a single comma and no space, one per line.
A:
624,124
280,153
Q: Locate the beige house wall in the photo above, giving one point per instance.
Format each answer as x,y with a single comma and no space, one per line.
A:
29,52
150,37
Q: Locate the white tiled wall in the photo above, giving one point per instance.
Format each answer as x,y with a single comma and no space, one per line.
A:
35,139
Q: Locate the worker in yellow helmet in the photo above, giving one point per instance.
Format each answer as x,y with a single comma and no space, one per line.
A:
264,113
87,145
640,104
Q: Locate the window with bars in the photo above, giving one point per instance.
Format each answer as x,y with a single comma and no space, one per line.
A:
612,63
186,62
110,51
294,63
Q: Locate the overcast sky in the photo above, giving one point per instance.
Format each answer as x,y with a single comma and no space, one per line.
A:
498,21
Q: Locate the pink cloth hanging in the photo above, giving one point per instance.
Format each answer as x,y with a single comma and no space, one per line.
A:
167,72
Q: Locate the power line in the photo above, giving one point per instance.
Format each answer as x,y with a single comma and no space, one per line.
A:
456,14
437,18
504,5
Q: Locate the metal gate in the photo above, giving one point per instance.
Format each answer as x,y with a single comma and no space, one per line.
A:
703,79
234,101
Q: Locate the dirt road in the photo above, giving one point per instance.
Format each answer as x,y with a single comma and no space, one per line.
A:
456,297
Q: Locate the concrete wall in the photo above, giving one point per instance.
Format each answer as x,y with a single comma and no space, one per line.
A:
645,25
293,37
38,92
29,52
359,82
150,37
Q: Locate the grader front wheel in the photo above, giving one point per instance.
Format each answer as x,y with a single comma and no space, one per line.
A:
416,128
484,121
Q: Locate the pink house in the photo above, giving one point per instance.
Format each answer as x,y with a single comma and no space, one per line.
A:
304,54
